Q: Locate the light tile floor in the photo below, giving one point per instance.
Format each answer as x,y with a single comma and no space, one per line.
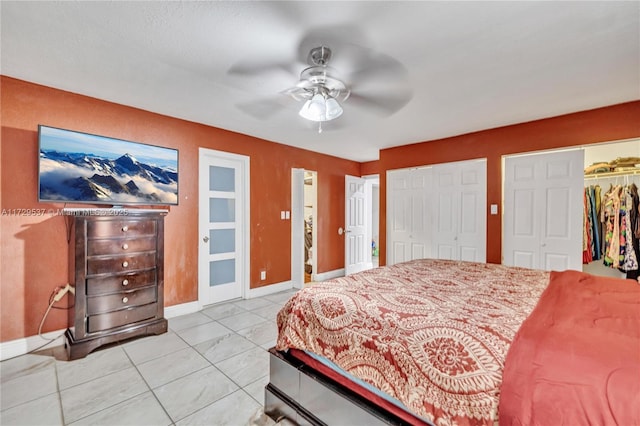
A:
210,368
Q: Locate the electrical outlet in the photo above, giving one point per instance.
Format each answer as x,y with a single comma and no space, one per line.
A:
263,275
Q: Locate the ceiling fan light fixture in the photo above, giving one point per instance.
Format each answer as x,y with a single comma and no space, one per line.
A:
314,109
320,108
333,109
321,88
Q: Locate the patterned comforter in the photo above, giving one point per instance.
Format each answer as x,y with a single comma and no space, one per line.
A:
433,334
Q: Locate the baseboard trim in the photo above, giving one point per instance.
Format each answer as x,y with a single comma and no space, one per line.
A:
270,289
181,309
14,348
323,276
25,345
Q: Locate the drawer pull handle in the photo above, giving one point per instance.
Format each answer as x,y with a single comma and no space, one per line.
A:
125,299
125,264
125,228
125,246
125,282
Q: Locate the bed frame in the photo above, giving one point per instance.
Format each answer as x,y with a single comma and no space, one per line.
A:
304,396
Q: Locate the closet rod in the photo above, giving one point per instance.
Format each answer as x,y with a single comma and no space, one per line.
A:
610,174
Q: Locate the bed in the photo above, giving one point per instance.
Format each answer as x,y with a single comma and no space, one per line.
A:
438,342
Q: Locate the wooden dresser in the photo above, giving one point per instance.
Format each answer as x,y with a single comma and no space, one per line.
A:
116,265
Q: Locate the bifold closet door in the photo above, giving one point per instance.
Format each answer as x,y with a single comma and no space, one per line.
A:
409,215
543,202
437,212
460,211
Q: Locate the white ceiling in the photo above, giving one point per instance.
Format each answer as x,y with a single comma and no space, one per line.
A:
467,65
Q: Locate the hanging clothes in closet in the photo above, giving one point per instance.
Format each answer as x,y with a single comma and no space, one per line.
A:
635,229
592,226
612,227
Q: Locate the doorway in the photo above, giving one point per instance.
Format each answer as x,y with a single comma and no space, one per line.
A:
622,176
304,239
223,213
310,211
374,212
565,223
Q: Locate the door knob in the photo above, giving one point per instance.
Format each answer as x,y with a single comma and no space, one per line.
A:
205,239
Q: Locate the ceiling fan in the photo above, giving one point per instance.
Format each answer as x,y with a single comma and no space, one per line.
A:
358,81
320,88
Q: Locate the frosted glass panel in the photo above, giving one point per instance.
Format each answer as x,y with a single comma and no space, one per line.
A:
222,179
222,272
222,210
222,241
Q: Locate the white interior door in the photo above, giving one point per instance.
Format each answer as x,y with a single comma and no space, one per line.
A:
409,214
398,216
472,217
460,209
223,217
357,242
542,213
446,208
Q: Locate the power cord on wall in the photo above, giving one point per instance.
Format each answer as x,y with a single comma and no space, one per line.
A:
57,295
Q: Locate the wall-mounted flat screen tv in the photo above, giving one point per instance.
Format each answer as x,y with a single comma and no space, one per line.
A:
76,167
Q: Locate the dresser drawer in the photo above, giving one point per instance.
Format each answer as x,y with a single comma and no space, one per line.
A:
118,264
116,283
109,320
116,246
113,302
120,228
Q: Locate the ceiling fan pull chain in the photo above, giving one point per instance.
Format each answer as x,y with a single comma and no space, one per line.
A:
319,126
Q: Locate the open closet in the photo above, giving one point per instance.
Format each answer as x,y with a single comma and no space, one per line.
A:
310,199
304,211
553,209
611,217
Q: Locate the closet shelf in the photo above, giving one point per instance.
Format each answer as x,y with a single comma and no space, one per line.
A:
613,174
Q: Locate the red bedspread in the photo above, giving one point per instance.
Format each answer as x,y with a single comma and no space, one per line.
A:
576,359
431,333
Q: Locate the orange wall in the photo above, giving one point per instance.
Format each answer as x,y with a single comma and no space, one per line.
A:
33,250
599,125
370,168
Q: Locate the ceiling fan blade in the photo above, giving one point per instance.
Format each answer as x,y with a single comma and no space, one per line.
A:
379,69
382,104
264,108
259,68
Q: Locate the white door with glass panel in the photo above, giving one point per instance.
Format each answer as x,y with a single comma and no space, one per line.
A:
223,213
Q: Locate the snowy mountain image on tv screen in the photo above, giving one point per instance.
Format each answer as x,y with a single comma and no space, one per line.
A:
78,167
